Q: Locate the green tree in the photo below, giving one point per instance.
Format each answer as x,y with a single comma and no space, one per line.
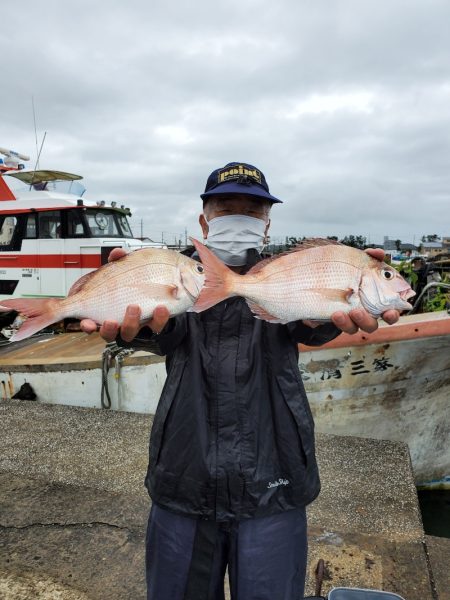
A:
356,241
398,244
430,238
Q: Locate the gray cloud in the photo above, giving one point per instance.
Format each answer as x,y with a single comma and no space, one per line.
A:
344,105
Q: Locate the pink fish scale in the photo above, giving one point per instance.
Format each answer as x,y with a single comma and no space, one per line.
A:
109,300
288,293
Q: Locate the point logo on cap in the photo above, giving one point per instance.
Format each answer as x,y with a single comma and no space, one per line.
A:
235,172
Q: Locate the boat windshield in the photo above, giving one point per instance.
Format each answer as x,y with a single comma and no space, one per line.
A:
64,187
19,187
107,223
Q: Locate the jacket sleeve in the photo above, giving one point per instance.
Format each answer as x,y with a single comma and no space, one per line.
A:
312,336
163,343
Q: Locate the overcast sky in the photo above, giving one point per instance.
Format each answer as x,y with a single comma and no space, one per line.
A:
343,104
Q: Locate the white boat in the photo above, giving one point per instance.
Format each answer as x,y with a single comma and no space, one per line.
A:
391,384
50,234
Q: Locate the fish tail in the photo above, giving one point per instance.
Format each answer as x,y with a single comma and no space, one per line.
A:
39,312
218,279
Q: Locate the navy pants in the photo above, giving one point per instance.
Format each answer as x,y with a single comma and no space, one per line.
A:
266,557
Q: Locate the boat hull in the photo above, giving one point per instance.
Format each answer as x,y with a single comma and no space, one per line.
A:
393,384
396,389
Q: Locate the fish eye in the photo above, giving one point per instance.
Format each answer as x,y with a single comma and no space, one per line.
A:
387,274
199,268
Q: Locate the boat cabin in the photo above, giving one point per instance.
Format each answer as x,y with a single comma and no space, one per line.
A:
50,235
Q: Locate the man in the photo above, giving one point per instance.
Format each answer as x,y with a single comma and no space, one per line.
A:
232,463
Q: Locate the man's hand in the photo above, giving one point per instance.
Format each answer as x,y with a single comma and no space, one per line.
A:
359,318
132,321
131,324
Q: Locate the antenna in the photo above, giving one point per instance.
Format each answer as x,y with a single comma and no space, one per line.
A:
35,130
38,154
37,160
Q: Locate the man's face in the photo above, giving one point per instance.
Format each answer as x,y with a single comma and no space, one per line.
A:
234,204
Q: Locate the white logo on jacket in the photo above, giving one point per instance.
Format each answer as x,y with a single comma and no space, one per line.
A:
280,481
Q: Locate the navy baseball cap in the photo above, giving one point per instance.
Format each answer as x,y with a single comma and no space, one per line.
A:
238,178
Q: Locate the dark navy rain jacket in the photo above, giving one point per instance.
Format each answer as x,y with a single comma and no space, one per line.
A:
233,434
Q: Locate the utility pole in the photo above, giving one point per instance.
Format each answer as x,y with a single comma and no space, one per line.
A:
142,228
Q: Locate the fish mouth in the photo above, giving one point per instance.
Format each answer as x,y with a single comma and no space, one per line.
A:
407,294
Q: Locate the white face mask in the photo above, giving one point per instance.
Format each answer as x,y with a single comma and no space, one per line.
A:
230,237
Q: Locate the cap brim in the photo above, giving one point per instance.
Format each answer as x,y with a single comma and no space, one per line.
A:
238,188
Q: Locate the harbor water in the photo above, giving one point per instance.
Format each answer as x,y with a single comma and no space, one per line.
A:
435,509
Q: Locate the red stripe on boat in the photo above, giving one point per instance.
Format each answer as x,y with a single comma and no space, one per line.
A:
50,261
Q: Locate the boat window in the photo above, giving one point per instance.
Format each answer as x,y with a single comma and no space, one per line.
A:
19,188
102,223
7,227
31,228
7,286
124,225
11,232
65,187
49,224
75,226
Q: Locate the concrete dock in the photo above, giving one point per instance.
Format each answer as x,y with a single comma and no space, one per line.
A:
73,510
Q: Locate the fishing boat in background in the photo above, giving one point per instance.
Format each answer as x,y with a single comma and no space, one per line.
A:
50,234
392,384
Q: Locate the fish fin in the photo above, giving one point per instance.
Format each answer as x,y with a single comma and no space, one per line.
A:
261,313
158,291
305,244
40,313
335,295
218,279
174,291
314,242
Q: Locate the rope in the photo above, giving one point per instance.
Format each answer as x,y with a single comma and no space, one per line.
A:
111,352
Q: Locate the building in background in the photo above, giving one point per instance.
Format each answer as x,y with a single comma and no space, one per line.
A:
430,249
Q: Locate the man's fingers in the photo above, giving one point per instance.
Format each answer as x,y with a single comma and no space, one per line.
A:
88,326
116,253
363,320
377,253
131,323
354,320
343,322
109,330
160,317
391,316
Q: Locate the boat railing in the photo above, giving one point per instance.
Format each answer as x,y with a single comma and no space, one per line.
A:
426,289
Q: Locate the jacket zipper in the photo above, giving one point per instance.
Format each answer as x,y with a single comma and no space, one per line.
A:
217,406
